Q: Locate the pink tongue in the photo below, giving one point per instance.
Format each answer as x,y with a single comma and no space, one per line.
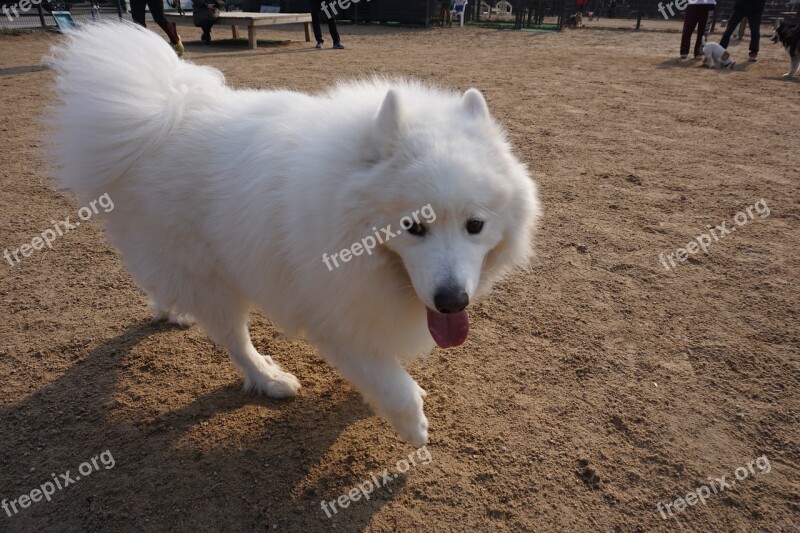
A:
448,330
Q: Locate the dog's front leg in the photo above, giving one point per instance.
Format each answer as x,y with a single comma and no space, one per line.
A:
793,70
390,391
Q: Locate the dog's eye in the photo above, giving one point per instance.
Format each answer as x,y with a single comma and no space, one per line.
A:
417,229
474,226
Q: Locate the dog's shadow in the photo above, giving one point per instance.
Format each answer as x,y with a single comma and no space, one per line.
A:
678,63
697,62
186,469
741,65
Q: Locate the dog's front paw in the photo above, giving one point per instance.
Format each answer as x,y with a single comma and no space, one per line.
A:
410,424
787,76
184,320
412,429
272,382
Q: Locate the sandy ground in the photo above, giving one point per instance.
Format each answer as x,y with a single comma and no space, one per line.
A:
591,388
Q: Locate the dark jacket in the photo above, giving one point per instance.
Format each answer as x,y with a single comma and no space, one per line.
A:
750,6
202,14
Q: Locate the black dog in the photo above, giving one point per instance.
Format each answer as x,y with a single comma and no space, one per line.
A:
788,33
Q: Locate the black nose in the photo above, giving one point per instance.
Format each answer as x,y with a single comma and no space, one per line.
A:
450,300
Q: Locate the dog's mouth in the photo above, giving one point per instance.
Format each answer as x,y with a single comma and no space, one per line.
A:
448,330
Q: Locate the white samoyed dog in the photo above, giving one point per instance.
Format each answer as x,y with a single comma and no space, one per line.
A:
365,219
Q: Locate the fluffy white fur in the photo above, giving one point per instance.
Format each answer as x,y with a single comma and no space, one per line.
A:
717,56
226,199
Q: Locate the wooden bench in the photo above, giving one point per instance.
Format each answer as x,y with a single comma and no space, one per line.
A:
249,20
790,16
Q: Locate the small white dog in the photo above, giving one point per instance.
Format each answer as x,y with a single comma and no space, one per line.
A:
229,199
717,56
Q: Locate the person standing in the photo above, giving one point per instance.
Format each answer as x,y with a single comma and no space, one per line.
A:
157,11
752,10
204,14
444,14
598,11
698,14
315,6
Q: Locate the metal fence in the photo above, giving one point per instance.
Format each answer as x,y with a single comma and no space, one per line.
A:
533,14
39,15
411,12
657,15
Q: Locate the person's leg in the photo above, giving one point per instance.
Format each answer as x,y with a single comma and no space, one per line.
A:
754,19
736,18
206,27
702,19
157,11
333,30
690,19
137,12
710,19
316,8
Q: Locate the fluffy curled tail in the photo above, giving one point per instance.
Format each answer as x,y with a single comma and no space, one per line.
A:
121,91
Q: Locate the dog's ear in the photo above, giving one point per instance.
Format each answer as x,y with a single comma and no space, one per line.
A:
725,56
389,116
388,124
473,103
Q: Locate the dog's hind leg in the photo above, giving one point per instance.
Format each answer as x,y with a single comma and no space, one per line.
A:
224,317
389,390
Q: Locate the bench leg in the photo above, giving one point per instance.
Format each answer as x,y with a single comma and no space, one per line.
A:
306,26
235,32
251,37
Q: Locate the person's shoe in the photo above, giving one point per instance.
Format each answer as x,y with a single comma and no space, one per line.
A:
753,56
683,57
319,44
178,47
338,45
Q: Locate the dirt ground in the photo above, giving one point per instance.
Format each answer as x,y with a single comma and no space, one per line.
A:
591,389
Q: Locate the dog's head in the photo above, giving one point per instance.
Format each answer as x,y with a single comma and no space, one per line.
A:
783,31
776,35
464,206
